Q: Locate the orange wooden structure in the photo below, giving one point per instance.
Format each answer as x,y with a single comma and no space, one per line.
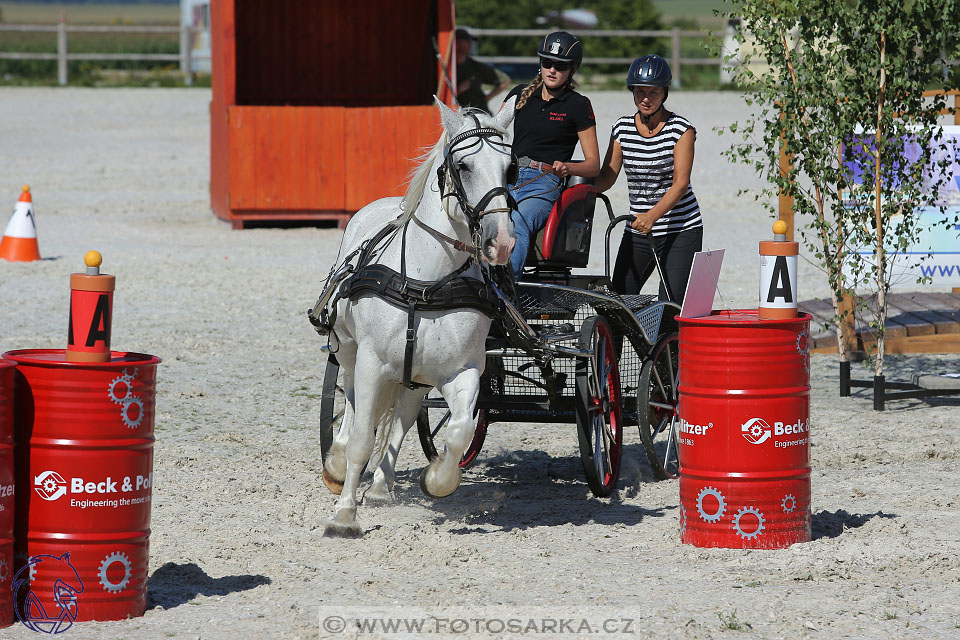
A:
319,105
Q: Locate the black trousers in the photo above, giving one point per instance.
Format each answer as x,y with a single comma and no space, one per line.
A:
635,261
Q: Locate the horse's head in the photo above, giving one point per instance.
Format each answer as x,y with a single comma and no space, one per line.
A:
32,611
477,161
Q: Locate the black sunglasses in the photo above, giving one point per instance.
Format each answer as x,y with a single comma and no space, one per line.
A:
547,63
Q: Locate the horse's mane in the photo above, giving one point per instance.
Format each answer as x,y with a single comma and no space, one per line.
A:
422,172
420,175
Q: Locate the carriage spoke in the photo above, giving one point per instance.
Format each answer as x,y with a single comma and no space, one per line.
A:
440,424
600,450
670,442
657,405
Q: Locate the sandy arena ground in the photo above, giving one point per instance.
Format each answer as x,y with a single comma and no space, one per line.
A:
238,506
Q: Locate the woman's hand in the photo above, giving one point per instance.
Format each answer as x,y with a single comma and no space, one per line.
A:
561,169
643,222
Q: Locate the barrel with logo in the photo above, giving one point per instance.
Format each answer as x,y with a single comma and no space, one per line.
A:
6,491
744,430
84,449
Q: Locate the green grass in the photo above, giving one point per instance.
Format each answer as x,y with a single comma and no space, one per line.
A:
730,622
100,73
141,14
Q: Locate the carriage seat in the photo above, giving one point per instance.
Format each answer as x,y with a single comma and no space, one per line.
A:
564,241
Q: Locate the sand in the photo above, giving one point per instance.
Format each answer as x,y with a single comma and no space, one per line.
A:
238,506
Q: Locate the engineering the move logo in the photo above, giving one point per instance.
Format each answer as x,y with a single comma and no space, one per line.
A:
758,431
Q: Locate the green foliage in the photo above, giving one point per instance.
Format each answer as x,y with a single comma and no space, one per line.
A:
524,14
838,72
730,622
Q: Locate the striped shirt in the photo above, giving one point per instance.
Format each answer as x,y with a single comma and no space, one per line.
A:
648,163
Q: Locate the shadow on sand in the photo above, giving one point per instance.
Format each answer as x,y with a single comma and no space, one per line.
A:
174,584
527,489
828,524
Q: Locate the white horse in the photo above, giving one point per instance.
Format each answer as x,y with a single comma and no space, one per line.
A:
440,226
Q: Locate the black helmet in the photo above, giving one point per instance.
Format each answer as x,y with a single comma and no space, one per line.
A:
561,46
649,71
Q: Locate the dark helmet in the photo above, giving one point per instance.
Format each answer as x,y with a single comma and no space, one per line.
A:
562,46
464,34
649,71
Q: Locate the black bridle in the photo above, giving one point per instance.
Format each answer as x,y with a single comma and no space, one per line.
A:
448,173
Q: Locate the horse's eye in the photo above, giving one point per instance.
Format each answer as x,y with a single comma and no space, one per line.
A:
461,166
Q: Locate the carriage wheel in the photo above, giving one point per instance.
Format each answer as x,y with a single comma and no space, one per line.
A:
332,403
599,426
440,417
657,399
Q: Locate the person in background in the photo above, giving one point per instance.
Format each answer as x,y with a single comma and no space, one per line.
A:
551,119
472,75
655,148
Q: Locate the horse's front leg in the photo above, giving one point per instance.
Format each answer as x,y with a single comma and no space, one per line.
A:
442,476
335,464
359,446
385,476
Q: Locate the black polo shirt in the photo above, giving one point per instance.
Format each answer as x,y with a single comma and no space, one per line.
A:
548,131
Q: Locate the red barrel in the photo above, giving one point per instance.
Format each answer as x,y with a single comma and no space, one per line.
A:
84,433
744,430
6,491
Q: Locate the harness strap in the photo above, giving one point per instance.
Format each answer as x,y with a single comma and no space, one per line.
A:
366,251
408,349
459,245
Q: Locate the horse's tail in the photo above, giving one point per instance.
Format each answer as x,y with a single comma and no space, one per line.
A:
386,417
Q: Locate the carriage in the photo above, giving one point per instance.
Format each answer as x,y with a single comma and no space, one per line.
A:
565,348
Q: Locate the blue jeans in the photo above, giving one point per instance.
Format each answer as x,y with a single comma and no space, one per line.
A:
531,215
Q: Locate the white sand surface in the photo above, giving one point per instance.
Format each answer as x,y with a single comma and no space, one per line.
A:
238,506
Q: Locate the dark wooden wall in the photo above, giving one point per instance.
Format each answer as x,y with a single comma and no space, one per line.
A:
335,52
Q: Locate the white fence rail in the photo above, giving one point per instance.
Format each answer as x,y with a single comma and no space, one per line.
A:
62,56
676,62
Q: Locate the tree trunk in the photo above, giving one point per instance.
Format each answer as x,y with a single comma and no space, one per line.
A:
881,275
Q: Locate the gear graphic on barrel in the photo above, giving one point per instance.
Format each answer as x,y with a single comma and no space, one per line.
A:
803,348
49,485
21,558
789,503
736,523
721,505
125,413
756,430
127,381
115,587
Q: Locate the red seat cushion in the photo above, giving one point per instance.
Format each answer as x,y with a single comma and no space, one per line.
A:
573,194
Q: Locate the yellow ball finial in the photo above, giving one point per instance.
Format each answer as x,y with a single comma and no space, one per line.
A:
779,226
26,188
93,259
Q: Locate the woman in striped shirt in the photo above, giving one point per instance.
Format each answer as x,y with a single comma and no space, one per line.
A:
655,148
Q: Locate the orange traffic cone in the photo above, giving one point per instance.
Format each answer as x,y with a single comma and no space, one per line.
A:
19,242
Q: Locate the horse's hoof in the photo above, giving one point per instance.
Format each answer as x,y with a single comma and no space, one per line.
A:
336,488
375,495
430,494
334,529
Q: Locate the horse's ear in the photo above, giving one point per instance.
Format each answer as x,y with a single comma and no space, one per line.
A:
452,121
505,116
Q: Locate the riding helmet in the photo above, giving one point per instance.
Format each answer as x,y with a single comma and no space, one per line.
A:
561,46
649,71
